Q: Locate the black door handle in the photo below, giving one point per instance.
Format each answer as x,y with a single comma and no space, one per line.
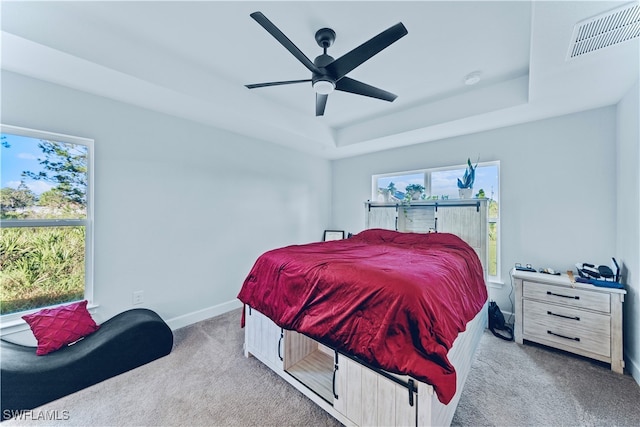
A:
335,370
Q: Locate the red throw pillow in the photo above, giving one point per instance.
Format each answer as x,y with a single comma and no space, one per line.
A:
56,327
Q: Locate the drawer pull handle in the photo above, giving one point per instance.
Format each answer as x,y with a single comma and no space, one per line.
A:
411,388
564,336
335,370
563,316
563,296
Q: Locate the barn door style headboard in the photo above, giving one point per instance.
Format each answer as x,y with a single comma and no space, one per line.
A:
466,218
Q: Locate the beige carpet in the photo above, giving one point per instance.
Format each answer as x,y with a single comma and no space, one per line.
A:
531,385
207,381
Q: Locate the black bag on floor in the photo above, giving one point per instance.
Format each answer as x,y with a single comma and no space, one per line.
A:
497,322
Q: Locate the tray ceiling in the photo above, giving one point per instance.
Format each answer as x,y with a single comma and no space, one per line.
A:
192,60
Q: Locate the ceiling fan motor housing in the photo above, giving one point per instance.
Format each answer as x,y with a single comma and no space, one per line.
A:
325,37
320,62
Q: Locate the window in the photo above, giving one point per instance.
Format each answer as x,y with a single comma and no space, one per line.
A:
46,220
442,184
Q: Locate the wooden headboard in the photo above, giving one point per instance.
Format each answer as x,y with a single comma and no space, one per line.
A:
464,218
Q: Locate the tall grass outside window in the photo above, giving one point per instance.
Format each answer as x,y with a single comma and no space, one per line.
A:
46,220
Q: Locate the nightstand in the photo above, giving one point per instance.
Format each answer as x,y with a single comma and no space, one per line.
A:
579,318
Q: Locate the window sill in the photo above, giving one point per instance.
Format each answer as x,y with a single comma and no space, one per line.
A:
495,284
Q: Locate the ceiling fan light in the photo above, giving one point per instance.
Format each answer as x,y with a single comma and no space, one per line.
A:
323,87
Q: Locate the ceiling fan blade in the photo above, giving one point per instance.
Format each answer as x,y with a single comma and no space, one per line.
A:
287,82
321,102
284,41
350,60
346,84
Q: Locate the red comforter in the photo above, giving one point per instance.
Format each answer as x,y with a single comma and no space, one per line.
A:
394,300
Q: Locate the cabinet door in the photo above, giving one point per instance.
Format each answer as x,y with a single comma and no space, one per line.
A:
417,219
263,338
469,223
381,217
368,398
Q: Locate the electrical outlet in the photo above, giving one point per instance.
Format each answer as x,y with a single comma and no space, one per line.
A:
138,297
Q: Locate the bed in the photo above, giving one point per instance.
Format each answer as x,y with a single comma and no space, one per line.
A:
378,329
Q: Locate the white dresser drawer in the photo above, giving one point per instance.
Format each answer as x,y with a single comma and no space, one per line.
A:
572,297
576,317
576,328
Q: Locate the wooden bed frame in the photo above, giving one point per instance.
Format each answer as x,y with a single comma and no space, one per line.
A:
350,390
347,389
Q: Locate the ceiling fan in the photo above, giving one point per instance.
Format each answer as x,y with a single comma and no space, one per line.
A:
327,73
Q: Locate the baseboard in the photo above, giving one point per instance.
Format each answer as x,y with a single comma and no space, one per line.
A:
204,314
509,317
632,367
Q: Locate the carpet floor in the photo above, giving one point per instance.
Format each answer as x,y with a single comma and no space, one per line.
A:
207,381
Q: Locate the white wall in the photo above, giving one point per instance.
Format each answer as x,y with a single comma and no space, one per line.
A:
628,221
173,217
181,210
558,195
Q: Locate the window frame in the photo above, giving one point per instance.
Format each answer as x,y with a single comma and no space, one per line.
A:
14,319
427,181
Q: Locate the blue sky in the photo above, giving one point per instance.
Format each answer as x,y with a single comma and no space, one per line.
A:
22,155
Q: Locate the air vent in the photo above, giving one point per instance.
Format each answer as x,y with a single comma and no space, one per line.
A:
616,26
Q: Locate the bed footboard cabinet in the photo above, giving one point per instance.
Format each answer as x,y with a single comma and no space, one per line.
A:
348,389
263,339
368,398
354,394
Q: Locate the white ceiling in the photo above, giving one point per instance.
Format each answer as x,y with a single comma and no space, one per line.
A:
192,60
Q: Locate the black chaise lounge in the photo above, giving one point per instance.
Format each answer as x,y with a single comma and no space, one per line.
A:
124,342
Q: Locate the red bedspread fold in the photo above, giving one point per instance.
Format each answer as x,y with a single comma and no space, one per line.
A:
394,300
